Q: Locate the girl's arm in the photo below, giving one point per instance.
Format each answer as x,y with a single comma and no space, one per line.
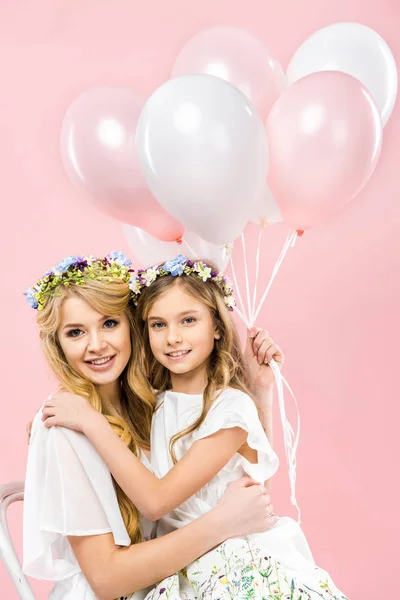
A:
156,497
259,350
264,399
113,571
152,496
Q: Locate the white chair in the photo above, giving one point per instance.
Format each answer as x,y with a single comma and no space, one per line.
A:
9,493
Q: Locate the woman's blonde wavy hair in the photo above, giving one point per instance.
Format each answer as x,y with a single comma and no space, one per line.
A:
108,298
225,368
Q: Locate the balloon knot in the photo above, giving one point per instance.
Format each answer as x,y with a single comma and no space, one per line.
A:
180,241
300,232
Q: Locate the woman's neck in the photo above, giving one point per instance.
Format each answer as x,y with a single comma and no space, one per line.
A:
111,396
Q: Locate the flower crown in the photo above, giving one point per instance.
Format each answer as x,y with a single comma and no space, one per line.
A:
177,267
76,269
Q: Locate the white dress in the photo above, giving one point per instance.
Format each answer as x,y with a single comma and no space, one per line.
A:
68,491
174,412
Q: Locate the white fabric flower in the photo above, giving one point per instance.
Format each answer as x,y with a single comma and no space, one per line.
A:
229,301
149,276
203,271
134,285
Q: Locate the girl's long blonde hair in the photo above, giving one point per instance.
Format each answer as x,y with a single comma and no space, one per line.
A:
108,298
225,366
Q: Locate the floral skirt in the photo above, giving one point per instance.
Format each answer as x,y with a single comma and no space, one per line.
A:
239,570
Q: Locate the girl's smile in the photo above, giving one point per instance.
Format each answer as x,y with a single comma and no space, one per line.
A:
178,354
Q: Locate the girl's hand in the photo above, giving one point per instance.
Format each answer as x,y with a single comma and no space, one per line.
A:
260,349
246,508
68,410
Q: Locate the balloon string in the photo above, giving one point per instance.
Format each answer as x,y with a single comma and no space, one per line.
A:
242,312
296,441
227,252
291,237
242,316
189,248
290,440
246,274
257,273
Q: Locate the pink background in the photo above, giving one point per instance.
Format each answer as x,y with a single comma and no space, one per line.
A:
333,308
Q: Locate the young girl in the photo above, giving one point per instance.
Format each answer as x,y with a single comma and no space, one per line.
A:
205,433
78,524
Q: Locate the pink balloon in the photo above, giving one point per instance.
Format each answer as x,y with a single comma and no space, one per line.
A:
98,151
237,57
325,137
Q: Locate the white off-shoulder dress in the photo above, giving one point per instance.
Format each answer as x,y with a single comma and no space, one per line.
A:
68,491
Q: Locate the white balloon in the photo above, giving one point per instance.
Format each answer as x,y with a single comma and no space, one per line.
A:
151,251
204,153
267,211
237,57
147,249
195,247
354,49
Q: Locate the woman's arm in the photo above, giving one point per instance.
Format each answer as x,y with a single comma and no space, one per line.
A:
113,571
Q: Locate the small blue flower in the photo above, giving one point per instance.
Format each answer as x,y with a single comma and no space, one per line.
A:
30,297
175,266
120,258
65,263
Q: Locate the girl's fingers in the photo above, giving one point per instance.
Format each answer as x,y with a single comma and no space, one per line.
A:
50,421
265,350
278,355
245,481
272,520
262,351
261,336
271,352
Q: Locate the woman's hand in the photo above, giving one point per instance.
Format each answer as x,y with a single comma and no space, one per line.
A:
28,430
68,410
246,508
260,349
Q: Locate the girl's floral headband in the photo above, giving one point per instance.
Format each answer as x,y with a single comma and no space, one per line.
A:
76,269
177,267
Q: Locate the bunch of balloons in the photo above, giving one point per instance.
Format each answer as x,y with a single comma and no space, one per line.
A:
232,138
